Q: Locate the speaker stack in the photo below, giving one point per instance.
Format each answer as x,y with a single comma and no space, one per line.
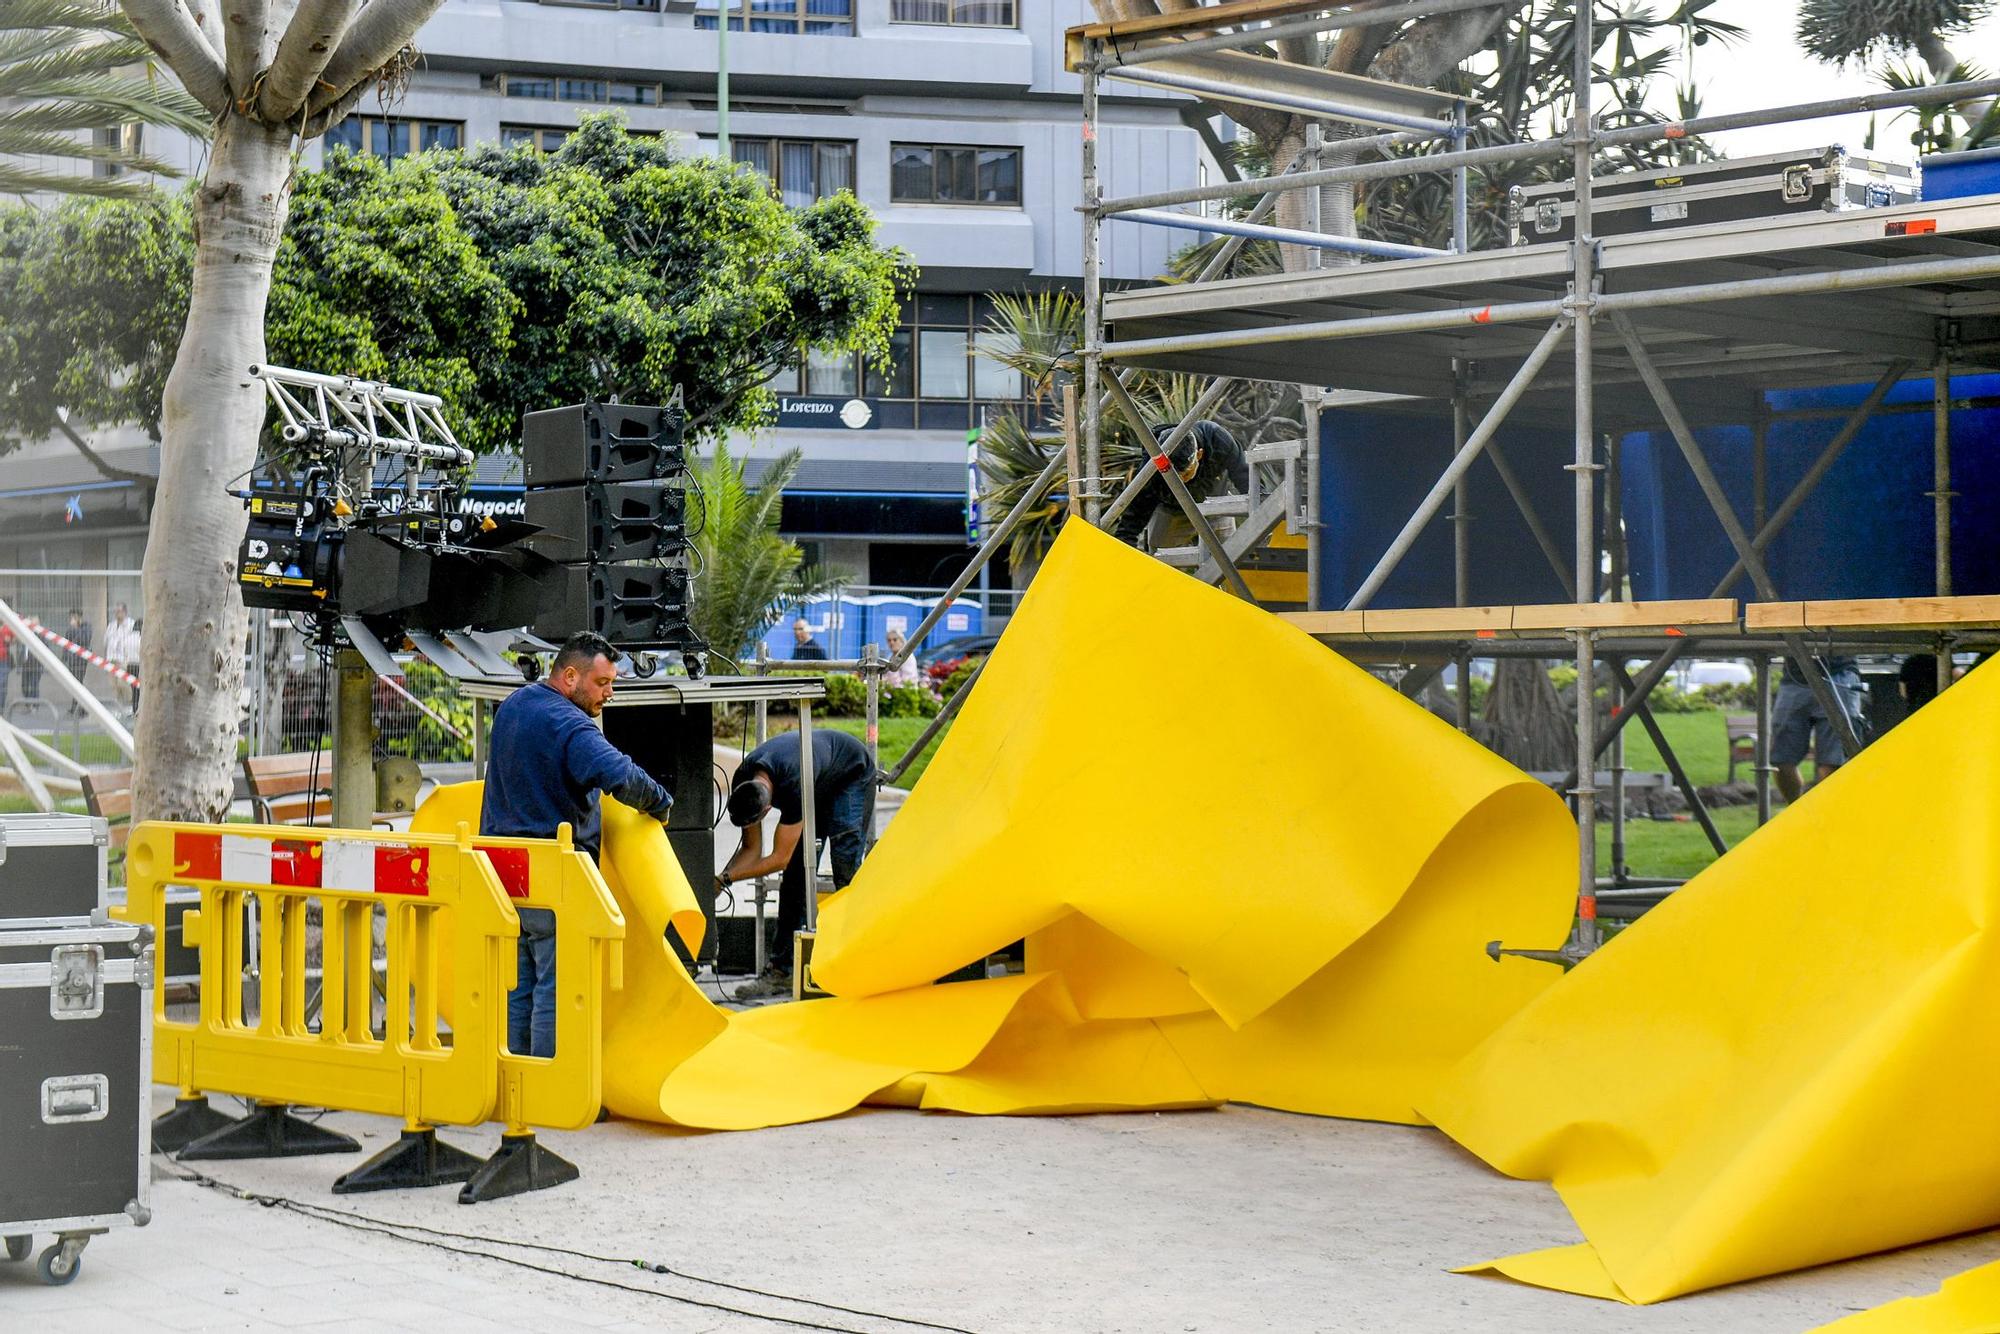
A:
607,484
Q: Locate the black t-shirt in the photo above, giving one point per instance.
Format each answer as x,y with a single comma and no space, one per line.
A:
839,761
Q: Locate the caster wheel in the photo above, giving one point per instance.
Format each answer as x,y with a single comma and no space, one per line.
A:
18,1247
54,1269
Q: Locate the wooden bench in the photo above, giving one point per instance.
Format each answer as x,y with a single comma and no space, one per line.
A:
1741,729
295,788
107,794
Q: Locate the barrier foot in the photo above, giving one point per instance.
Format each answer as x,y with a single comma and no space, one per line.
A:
518,1166
271,1131
417,1158
190,1119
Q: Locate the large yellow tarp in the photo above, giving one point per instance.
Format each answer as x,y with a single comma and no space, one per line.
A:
1794,1059
1245,869
1254,871
1968,1303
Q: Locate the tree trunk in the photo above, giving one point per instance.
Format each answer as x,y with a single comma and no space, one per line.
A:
212,411
1531,729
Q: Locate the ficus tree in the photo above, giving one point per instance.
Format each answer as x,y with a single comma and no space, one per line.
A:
503,281
271,74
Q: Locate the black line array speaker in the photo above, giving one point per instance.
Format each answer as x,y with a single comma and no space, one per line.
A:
609,521
627,604
607,487
602,442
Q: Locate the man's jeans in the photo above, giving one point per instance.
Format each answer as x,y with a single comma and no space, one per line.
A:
846,831
531,1005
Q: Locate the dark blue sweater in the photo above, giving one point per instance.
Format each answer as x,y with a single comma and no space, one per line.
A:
547,764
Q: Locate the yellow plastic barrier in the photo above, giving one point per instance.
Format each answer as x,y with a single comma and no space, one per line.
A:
411,1071
566,1091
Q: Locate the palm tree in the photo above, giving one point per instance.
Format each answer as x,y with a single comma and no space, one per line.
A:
1039,334
749,571
1843,31
67,70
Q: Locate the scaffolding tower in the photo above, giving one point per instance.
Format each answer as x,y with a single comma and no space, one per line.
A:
1739,308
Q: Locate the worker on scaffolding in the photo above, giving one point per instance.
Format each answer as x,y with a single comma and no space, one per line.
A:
547,762
1797,718
769,777
1206,457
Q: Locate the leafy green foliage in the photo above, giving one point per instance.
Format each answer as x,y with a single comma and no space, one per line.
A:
1841,30
503,282
640,272
65,70
910,701
92,296
747,569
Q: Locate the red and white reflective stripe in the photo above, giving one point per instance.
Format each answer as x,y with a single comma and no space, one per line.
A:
375,868
511,866
80,651
346,864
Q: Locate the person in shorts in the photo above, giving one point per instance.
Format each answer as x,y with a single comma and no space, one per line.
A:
1797,719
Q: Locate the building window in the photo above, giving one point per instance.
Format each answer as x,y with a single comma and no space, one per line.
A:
613,92
801,170
956,13
934,368
813,18
542,138
947,174
390,138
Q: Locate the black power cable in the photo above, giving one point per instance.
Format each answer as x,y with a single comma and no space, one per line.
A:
396,1232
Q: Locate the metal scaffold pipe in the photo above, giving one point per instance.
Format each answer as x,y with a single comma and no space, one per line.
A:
1223,91
1332,21
1353,245
1550,149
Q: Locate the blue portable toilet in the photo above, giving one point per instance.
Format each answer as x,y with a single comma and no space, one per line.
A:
835,623
893,611
964,617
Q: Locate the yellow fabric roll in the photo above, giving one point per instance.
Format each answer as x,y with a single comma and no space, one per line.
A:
1968,1303
1273,885
1793,1059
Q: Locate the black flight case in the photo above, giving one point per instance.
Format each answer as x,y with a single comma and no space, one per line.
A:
76,1027
1816,180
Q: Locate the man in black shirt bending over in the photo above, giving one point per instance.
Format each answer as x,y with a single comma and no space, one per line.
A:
768,777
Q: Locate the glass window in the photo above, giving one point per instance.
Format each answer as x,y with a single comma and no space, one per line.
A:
825,18
941,363
346,135
389,138
892,380
836,168
830,373
910,173
800,170
946,310
544,139
957,13
635,94
582,90
993,379
784,380
999,176
520,87
940,174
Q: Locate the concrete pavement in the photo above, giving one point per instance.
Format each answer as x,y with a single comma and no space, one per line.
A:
1235,1220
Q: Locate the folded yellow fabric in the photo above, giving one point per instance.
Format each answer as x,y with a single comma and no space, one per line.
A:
1273,885
1293,868
1792,1060
1966,1304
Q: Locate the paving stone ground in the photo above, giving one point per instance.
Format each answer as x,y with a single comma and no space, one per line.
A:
1233,1220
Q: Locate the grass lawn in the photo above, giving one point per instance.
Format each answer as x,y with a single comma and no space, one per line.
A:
894,737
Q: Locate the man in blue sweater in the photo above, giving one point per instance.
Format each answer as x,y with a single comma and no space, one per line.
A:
548,761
